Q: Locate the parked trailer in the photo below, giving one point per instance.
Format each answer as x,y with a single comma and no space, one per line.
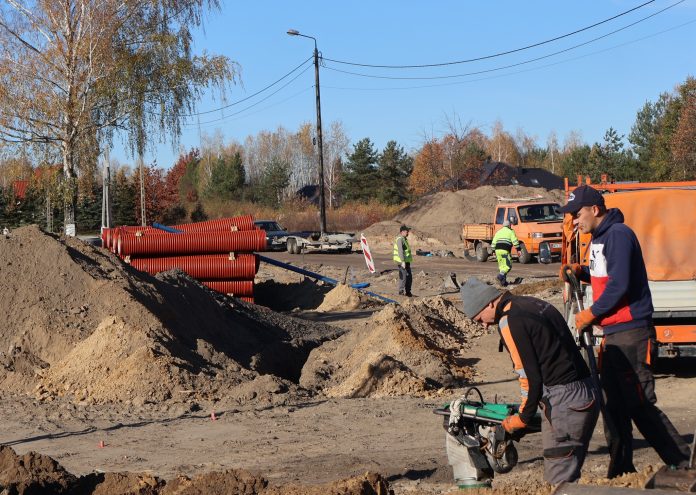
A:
303,242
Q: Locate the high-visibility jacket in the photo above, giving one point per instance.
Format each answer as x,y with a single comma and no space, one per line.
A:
505,238
401,248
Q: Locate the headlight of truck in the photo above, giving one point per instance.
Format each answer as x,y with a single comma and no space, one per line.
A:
537,235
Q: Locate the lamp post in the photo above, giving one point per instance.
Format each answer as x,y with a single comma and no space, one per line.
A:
322,203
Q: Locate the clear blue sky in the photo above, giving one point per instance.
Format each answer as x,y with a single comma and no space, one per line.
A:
587,89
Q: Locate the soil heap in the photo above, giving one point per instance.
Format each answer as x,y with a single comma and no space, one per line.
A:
35,473
401,350
82,324
438,218
345,298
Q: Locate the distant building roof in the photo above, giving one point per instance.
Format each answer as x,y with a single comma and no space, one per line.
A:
499,173
502,174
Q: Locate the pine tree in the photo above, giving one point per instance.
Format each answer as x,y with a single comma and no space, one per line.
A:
275,178
123,194
395,167
360,179
226,178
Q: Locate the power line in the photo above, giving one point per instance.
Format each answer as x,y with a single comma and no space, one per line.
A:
499,54
424,86
252,95
255,103
293,96
524,62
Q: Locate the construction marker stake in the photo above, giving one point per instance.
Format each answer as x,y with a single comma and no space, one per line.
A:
101,444
212,416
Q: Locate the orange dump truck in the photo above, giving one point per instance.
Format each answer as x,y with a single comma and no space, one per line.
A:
536,223
662,216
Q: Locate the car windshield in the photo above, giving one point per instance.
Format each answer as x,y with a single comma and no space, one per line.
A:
269,226
540,213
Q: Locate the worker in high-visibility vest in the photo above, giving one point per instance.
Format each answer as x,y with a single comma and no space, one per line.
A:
403,259
503,241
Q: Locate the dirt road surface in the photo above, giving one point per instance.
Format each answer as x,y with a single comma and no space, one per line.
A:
315,438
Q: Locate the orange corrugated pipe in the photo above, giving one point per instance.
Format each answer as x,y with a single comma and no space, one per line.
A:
192,243
205,266
233,287
247,299
243,222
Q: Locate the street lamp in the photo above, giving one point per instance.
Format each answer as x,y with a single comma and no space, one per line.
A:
322,204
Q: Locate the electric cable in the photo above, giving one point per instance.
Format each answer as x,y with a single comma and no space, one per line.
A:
253,104
240,117
536,59
252,95
499,54
423,86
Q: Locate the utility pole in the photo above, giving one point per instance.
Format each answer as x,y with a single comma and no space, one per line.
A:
143,221
106,193
322,202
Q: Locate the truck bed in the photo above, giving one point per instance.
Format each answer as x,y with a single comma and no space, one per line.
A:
477,231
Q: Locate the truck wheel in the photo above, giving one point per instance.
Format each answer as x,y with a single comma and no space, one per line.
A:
290,246
524,256
481,252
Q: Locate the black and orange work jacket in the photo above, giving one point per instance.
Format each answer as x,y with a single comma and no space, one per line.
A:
541,346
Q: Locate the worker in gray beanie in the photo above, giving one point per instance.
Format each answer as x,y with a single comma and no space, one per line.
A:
552,374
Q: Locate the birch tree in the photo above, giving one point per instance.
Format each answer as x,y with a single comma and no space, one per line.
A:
73,72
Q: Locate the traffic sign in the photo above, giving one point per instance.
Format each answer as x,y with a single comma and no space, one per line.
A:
366,252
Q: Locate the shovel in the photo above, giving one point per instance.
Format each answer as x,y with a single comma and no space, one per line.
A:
587,343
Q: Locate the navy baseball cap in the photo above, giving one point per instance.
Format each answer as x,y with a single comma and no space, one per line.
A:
582,196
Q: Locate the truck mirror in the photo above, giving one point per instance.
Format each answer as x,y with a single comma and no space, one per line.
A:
544,253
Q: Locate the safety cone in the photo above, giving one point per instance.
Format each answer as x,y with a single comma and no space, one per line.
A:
101,444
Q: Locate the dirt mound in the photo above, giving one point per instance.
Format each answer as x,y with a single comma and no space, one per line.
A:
232,482
345,298
31,473
82,324
382,234
368,484
440,216
35,473
401,350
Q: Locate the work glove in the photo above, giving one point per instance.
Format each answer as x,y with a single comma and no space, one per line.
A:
583,319
500,435
576,268
513,423
403,265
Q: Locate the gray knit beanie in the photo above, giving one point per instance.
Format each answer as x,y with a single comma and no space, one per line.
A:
476,295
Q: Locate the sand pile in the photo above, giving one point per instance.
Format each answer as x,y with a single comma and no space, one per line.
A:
345,298
34,473
440,216
411,349
81,324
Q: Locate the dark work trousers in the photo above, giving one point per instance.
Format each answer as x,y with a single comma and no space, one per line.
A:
405,279
629,385
569,416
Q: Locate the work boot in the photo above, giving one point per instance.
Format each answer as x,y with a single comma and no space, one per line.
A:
502,279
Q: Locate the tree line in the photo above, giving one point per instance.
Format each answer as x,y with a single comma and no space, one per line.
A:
271,167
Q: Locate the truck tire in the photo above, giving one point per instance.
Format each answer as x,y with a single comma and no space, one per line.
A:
291,245
524,257
481,252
